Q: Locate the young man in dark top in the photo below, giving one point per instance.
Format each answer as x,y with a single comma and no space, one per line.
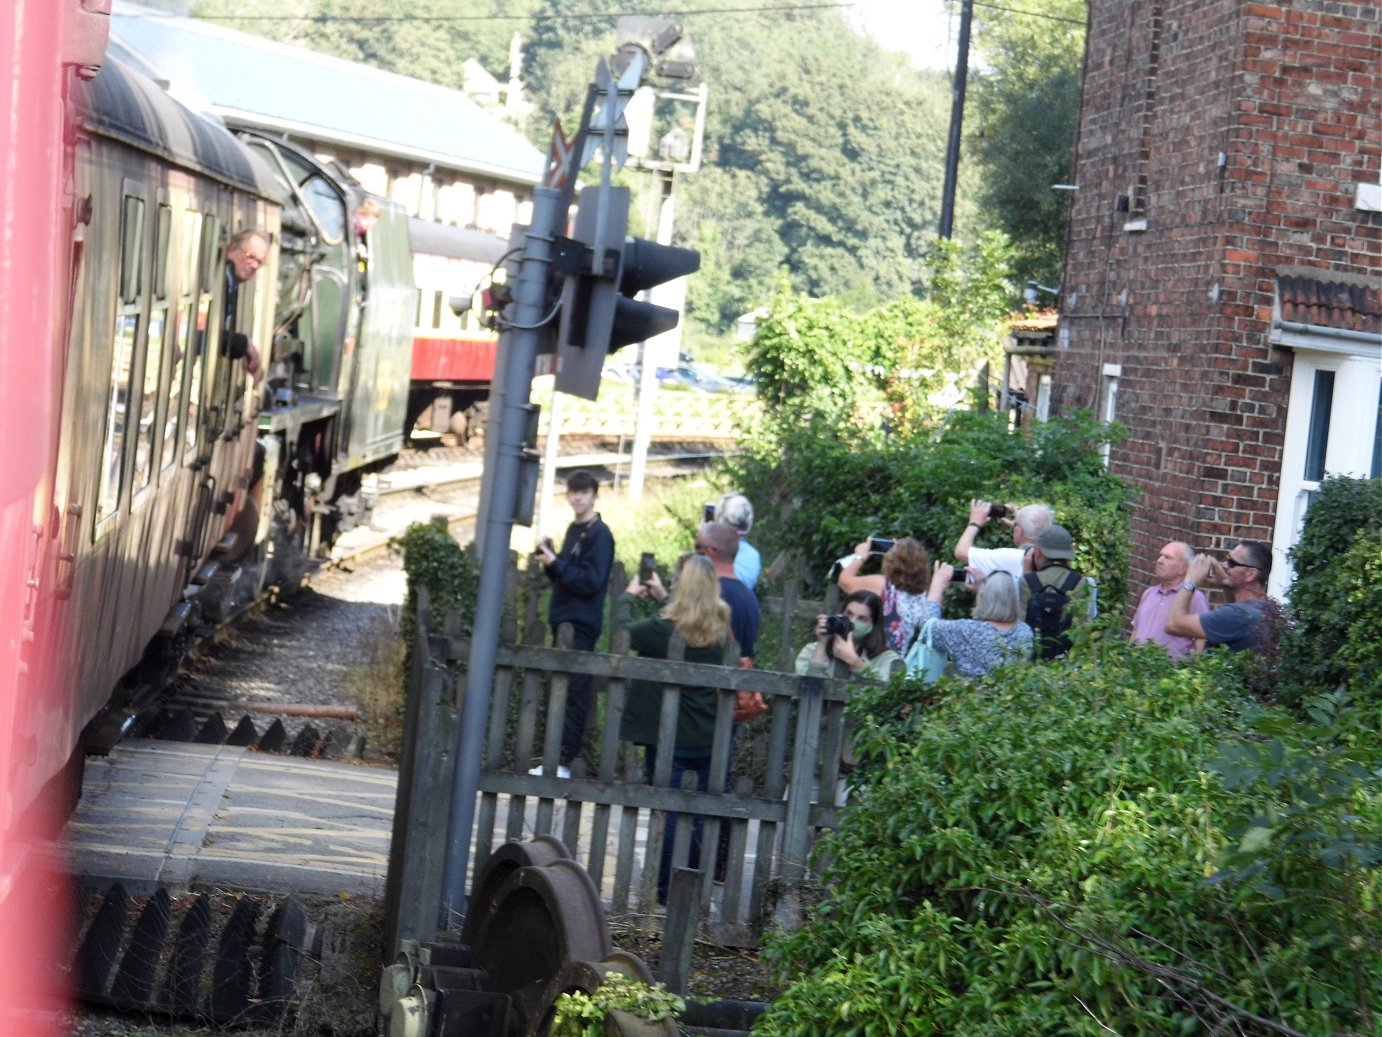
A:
580,578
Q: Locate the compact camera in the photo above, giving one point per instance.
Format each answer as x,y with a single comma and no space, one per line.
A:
880,545
647,565
998,511
838,626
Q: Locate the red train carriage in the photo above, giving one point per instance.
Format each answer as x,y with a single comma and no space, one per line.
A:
453,355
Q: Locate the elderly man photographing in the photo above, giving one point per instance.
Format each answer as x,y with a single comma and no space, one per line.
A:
1149,621
1248,622
1027,523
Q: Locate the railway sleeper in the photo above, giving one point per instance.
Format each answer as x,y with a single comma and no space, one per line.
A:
218,963
181,724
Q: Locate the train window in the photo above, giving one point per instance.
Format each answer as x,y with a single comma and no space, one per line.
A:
188,251
148,404
161,256
327,206
196,333
213,261
132,248
117,406
181,345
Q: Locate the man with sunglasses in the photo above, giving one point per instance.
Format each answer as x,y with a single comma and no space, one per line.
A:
1248,621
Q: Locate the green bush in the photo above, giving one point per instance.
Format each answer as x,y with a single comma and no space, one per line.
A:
1336,596
433,559
1111,843
835,490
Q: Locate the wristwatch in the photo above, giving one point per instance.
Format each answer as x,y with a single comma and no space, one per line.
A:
1187,586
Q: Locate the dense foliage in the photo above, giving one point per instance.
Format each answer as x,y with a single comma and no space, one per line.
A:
824,153
1337,595
835,485
434,561
1107,844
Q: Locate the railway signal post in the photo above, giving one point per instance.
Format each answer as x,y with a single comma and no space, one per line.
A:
601,268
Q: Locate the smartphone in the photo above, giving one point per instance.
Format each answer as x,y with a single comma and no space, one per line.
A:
880,546
708,513
647,565
959,576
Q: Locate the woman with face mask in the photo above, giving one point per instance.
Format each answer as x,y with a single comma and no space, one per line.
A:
864,649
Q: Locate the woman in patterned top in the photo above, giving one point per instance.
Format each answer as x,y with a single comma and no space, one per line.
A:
901,585
994,636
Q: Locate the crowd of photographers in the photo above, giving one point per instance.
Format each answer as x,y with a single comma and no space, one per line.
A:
1027,598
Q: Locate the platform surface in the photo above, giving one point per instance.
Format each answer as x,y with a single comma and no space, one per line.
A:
189,816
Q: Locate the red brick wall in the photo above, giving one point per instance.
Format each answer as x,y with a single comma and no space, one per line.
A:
1239,132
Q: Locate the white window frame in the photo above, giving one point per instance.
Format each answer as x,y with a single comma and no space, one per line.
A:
1357,367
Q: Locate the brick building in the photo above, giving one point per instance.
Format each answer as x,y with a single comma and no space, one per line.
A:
1222,292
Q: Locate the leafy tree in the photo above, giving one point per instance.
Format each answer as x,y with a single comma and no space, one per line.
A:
1026,94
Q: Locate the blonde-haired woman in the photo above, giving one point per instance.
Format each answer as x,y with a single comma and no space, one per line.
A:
697,614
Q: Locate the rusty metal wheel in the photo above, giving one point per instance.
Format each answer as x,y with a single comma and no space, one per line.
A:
534,924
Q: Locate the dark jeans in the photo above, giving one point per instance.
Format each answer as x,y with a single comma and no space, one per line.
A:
700,766
578,697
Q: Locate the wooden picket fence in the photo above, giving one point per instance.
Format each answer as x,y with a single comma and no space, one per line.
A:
787,786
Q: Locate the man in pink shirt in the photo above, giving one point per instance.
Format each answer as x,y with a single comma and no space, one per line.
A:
1149,621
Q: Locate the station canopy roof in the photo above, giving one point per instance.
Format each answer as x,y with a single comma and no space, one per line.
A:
277,88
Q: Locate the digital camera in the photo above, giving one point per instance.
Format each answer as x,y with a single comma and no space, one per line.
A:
998,511
838,626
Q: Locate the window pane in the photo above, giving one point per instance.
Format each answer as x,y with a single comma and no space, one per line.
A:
190,248
162,259
148,407
112,452
1320,409
182,345
197,346
132,239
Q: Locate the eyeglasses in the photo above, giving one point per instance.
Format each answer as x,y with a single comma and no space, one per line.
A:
1231,563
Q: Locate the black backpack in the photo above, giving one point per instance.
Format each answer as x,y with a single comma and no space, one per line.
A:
1049,615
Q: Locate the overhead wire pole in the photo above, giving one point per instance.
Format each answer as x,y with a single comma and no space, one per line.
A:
957,118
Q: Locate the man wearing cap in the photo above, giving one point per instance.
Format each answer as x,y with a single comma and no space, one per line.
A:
1054,593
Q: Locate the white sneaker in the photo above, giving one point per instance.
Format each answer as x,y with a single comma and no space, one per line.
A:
563,771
